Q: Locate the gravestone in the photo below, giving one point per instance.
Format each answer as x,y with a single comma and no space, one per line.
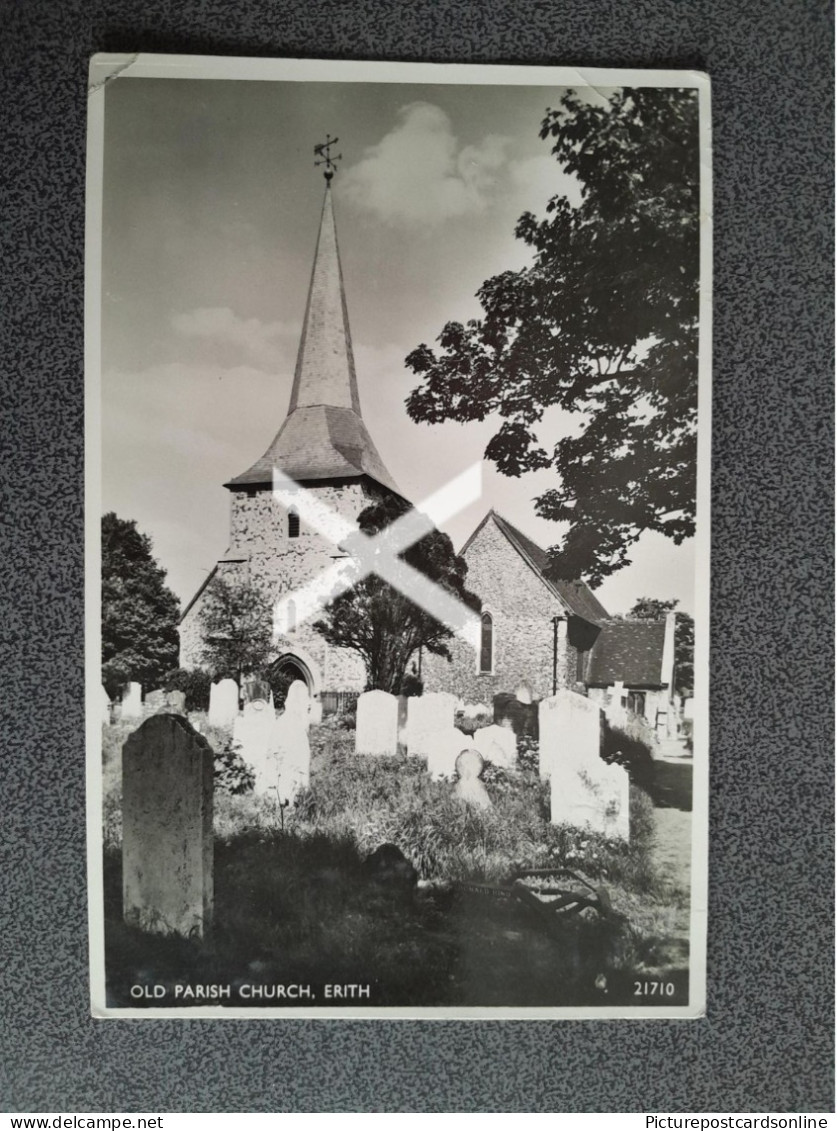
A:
585,791
105,708
288,763
498,745
615,709
523,694
469,788
446,746
427,717
223,703
252,734
155,699
522,717
254,689
167,782
132,701
176,702
377,723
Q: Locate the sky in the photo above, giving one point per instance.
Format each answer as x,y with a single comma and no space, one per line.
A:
211,206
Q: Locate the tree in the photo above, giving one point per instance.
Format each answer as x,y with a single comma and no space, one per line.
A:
140,613
237,629
603,324
651,608
378,622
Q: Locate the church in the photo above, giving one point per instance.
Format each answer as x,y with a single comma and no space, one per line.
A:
535,633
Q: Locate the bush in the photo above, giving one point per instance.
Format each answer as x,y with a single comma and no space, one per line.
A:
631,746
195,683
470,724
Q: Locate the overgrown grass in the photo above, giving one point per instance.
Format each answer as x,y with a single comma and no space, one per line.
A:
292,902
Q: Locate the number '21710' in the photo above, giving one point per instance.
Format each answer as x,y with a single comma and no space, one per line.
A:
653,989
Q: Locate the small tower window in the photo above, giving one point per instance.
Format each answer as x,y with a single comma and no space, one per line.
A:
291,615
293,523
486,643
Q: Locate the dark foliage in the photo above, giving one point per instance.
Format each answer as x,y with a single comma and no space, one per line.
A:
603,324
139,613
194,683
237,626
378,622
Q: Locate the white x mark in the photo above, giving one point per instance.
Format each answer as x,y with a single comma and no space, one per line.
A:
378,554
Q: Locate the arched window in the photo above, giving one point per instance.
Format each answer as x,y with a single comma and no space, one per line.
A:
486,643
293,523
291,615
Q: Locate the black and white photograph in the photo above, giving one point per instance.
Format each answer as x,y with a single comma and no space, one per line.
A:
398,392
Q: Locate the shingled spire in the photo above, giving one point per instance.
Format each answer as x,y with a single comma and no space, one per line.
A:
323,436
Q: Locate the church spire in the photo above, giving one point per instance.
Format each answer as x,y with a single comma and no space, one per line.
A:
325,365
324,436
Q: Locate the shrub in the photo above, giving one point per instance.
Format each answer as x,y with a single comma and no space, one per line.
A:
195,683
232,774
470,724
631,746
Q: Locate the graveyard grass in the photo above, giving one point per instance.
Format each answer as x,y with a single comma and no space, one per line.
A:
294,905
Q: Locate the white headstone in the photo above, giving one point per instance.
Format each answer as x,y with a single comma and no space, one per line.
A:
167,839
615,709
377,723
175,702
469,788
445,747
428,716
132,701
585,791
252,733
223,703
523,693
105,707
287,767
498,745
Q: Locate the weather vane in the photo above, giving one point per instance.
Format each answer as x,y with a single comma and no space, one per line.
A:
323,150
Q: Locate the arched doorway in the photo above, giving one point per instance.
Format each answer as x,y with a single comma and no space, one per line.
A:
287,668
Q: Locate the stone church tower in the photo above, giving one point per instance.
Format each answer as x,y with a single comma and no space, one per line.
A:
325,447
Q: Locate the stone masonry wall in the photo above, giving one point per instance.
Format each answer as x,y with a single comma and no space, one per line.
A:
522,609
278,565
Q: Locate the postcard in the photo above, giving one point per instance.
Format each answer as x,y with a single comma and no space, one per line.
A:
397,539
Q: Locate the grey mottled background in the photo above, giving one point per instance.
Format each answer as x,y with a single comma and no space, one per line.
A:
766,1043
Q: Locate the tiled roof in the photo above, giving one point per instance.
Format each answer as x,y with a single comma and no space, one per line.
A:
576,595
323,436
628,650
319,442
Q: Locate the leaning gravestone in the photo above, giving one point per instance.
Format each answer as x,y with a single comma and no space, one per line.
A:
585,791
377,723
132,701
252,732
469,788
167,781
223,703
288,764
497,745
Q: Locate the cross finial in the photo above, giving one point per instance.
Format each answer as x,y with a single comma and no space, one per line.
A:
323,150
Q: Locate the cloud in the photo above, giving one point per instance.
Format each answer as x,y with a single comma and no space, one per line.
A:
535,180
417,174
261,343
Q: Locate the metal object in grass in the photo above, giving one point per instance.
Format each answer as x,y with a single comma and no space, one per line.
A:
552,893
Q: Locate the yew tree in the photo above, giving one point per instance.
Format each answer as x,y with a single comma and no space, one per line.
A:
603,324
140,613
378,622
